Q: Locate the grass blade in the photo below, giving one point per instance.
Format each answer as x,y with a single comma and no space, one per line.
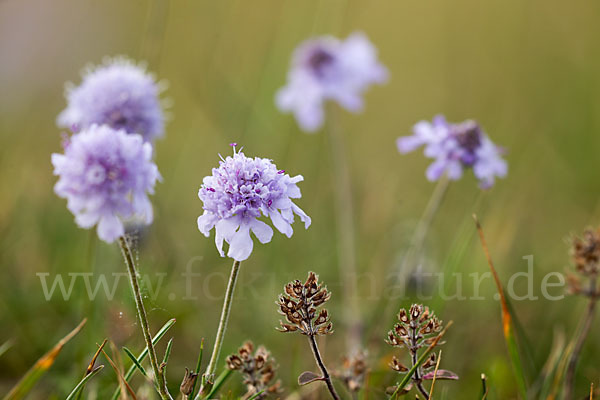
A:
507,324
144,354
437,365
262,391
90,367
40,367
420,361
135,361
219,382
82,383
5,347
123,385
198,365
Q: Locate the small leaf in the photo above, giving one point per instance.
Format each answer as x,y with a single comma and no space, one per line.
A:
308,377
135,361
82,383
441,374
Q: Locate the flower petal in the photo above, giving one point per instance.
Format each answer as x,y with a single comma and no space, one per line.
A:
110,228
281,225
241,244
262,231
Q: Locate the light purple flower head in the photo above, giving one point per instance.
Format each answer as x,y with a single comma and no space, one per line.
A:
326,68
119,94
106,176
455,147
241,190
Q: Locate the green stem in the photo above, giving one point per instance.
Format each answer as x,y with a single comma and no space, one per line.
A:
143,319
583,333
345,231
207,381
418,239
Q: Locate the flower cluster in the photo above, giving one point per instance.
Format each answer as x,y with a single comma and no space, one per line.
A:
106,176
586,255
326,68
455,147
354,371
416,329
257,369
300,307
119,94
241,190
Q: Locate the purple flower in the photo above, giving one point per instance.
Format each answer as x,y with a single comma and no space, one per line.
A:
455,147
106,175
240,191
117,93
326,68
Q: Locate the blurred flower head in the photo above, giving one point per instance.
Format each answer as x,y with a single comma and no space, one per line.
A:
354,370
106,176
326,68
455,147
241,190
586,257
119,94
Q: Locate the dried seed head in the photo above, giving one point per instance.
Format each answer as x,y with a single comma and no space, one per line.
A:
257,369
187,384
354,371
586,257
586,252
416,328
299,305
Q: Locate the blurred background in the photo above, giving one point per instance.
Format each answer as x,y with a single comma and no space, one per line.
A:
526,70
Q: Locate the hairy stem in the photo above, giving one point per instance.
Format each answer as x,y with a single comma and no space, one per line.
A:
143,319
207,382
583,333
345,231
319,360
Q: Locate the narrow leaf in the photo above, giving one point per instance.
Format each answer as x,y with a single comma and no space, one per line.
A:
198,366
168,352
82,383
123,385
144,354
508,329
40,367
256,395
307,377
5,346
135,361
219,382
421,360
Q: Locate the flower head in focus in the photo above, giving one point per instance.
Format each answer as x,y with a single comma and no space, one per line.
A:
238,193
455,147
106,176
326,68
119,94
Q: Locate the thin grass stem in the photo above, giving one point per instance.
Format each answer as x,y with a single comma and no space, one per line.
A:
143,319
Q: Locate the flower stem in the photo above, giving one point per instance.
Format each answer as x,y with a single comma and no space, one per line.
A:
326,377
208,377
583,333
416,243
345,231
143,319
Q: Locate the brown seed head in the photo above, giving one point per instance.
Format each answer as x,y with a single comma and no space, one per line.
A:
300,304
257,369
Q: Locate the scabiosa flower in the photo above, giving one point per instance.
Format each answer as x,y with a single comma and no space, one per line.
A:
119,94
456,147
241,190
326,68
106,176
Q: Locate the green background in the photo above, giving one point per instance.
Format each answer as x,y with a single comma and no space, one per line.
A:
527,70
